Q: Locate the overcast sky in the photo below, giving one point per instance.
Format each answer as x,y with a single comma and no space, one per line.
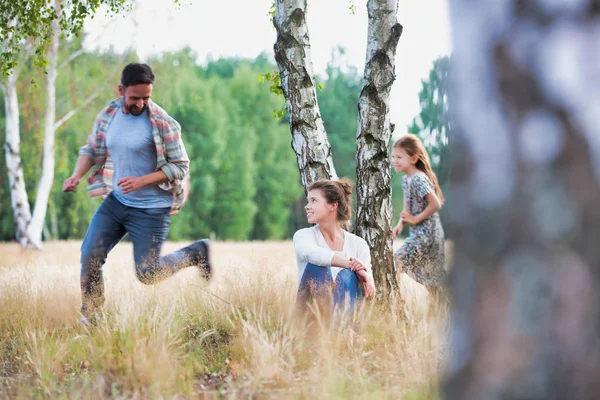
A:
243,28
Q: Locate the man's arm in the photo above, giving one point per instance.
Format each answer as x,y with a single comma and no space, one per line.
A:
88,156
178,162
133,183
84,164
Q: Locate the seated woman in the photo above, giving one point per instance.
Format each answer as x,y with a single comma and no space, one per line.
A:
328,256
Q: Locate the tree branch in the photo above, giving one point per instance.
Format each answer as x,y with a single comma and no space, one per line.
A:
71,58
74,111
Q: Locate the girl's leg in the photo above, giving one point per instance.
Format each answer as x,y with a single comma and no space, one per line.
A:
314,284
346,292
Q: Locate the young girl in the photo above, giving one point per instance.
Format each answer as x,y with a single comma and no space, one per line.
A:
328,256
422,255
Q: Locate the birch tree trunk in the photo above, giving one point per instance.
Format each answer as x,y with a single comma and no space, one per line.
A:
16,180
36,226
374,196
524,201
293,56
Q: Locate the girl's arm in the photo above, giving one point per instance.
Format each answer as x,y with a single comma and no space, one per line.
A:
398,228
433,205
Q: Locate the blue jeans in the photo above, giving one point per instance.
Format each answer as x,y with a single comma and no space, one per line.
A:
315,284
148,229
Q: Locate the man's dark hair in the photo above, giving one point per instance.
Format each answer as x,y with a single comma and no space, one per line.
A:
135,74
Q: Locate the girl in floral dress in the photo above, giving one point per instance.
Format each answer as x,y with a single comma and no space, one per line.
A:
421,256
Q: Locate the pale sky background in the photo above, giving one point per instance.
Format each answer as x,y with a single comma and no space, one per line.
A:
242,28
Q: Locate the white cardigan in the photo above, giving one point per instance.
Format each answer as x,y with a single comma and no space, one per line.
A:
311,247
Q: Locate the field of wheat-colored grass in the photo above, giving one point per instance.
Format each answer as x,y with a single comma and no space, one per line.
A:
182,338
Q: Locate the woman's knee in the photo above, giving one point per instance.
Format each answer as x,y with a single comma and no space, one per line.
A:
317,273
347,278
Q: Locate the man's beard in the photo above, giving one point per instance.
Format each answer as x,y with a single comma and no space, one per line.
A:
135,111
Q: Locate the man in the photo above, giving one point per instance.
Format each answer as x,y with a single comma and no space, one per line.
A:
140,169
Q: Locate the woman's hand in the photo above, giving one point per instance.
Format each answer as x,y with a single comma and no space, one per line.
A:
364,275
408,218
356,265
369,286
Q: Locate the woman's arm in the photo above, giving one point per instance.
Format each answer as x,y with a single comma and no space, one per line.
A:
366,276
308,250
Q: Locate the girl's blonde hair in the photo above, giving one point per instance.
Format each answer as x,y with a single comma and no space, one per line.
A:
412,145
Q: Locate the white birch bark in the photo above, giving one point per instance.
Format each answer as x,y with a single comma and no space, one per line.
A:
16,180
524,200
36,226
293,56
374,212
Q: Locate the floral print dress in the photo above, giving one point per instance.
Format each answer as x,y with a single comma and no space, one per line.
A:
421,256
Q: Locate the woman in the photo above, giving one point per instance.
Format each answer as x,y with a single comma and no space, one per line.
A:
328,256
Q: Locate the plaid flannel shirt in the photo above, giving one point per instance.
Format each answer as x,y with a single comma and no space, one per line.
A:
171,157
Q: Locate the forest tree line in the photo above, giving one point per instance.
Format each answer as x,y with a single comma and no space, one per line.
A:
244,179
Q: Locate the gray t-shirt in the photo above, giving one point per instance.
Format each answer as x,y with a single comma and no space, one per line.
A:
131,146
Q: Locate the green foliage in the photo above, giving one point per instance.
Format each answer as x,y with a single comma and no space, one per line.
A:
244,176
276,89
31,21
7,226
182,90
272,11
275,160
338,104
68,215
240,156
433,124
241,160
234,200
352,7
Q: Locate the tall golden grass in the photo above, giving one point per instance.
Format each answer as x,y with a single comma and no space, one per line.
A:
183,338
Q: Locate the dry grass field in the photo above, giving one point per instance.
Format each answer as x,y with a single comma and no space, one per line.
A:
232,338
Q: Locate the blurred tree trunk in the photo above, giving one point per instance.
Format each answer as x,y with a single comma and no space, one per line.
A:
524,201
293,56
374,178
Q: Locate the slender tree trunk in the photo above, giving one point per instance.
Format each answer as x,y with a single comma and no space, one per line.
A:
292,53
524,201
374,212
16,180
36,226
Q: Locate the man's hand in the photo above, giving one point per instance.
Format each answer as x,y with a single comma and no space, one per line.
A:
131,184
70,184
409,218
